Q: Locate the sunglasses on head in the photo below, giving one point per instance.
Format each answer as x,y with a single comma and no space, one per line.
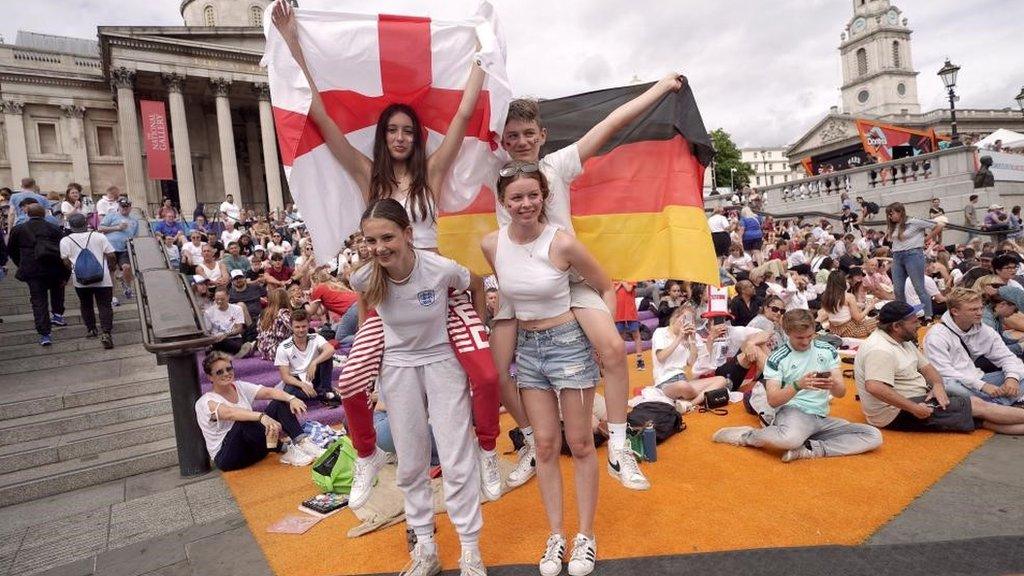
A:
510,171
229,369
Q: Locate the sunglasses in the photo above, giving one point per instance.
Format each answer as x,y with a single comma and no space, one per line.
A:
227,370
777,309
510,171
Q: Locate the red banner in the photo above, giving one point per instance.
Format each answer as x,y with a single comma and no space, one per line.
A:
158,143
880,140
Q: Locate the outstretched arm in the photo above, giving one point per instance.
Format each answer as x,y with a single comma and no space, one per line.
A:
593,140
353,161
440,162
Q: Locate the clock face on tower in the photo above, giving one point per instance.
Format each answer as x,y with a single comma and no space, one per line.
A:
893,17
859,24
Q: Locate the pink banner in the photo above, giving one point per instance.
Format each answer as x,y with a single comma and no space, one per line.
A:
158,144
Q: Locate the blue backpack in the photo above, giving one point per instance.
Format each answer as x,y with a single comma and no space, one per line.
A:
88,269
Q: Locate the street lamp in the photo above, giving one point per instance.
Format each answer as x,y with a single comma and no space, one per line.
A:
732,179
764,162
1020,100
948,74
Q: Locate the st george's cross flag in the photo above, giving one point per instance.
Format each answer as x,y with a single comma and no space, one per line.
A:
638,205
361,64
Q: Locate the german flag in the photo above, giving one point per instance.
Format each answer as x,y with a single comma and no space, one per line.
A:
638,205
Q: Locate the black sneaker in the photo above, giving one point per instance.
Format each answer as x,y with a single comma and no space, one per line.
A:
640,363
107,341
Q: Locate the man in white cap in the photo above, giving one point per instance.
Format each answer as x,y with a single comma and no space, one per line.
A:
996,218
243,291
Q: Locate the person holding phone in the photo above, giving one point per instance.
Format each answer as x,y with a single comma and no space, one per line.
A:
799,376
675,352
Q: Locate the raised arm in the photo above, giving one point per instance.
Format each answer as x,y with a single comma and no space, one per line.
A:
593,140
353,161
440,162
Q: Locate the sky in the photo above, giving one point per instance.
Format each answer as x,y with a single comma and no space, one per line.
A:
765,71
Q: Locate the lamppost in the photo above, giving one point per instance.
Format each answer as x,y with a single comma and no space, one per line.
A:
948,74
764,162
1020,100
732,179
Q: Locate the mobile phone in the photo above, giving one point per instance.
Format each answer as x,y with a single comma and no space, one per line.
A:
823,374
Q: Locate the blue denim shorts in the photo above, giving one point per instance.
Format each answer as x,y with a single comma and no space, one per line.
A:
681,377
559,358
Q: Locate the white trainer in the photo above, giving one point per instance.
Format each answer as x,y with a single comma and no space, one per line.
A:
584,554
307,446
551,562
364,476
732,435
423,562
470,564
296,457
526,466
490,474
623,467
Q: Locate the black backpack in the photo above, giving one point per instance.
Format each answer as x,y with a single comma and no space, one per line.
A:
667,421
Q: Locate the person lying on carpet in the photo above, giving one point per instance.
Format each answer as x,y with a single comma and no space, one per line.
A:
305,362
674,350
799,377
901,390
237,435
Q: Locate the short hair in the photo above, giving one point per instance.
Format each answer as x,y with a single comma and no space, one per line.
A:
35,210
1004,259
797,319
300,315
28,183
524,110
223,289
491,291
973,197
960,296
212,357
233,243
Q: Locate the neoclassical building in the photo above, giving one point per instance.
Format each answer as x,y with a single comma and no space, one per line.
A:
71,109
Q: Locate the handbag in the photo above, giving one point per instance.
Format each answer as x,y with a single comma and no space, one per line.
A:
334,470
715,401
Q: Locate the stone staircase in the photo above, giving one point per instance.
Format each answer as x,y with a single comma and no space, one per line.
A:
75,415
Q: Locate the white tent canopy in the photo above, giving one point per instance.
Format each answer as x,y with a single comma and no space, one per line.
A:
1010,139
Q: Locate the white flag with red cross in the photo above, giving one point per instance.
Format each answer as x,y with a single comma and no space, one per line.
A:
361,64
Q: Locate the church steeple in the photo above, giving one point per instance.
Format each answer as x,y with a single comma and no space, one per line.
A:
878,74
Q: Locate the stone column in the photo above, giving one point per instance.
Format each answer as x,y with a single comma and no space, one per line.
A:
182,147
17,150
228,159
123,80
275,197
257,191
72,117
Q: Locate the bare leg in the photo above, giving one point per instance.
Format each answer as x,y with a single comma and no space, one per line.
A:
693,391
503,349
600,330
577,407
637,344
542,407
1002,419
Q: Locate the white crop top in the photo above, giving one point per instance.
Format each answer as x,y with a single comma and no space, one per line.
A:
424,230
526,276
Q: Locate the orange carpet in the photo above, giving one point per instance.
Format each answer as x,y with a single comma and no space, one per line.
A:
705,497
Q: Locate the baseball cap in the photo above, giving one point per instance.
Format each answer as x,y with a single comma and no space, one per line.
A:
198,279
895,311
258,248
237,274
995,207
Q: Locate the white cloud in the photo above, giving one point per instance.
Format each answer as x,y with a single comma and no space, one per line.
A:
765,71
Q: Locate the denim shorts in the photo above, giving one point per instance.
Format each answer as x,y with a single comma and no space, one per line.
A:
681,377
557,359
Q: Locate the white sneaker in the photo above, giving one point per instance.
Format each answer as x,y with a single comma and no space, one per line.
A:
551,562
732,435
307,446
584,554
423,562
797,454
526,466
364,477
296,457
115,302
245,350
623,467
490,474
470,564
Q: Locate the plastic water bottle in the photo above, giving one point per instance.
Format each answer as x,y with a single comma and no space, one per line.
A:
650,443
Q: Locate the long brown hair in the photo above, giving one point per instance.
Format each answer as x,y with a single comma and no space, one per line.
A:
542,181
383,183
896,208
834,296
277,300
386,209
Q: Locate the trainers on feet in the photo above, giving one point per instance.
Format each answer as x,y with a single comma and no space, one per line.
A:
107,341
45,340
623,467
640,363
423,562
470,564
525,468
584,553
307,446
797,454
732,435
364,477
490,474
551,562
245,350
58,320
115,302
296,457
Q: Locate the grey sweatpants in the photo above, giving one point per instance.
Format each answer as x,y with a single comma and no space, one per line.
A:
827,436
434,397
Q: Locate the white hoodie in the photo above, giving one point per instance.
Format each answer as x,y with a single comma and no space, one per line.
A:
947,354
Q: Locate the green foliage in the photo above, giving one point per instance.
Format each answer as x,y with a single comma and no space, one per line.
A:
727,157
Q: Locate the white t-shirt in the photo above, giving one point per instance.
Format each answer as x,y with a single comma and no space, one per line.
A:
929,286
214,429
722,350
297,361
229,236
285,247
796,258
223,321
1012,283
675,364
105,206
743,262
233,211
415,312
192,253
718,223
560,168
97,244
67,208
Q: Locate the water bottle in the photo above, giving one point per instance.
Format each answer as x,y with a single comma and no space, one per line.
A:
650,443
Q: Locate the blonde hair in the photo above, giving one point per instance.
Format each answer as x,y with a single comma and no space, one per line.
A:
277,300
797,319
386,209
960,296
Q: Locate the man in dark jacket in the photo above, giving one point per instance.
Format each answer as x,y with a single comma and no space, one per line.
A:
34,246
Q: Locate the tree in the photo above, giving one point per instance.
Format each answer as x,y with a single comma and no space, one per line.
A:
727,157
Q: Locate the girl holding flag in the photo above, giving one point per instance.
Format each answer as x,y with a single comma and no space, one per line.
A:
402,170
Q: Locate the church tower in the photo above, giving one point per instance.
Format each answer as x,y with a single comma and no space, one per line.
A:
211,13
878,73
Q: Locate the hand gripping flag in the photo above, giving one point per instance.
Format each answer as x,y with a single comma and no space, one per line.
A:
361,64
638,205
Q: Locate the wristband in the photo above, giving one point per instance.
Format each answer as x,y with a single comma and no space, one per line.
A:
796,386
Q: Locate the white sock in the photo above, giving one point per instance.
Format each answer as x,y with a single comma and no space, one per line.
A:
425,537
470,544
527,434
617,435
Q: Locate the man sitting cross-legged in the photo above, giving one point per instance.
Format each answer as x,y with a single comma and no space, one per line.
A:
901,390
799,377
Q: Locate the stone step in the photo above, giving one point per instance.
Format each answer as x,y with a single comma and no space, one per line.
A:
54,379
64,344
71,361
39,400
84,443
59,477
11,287
77,419
66,333
23,319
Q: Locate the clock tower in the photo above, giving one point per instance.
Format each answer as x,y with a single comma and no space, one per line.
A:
878,73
